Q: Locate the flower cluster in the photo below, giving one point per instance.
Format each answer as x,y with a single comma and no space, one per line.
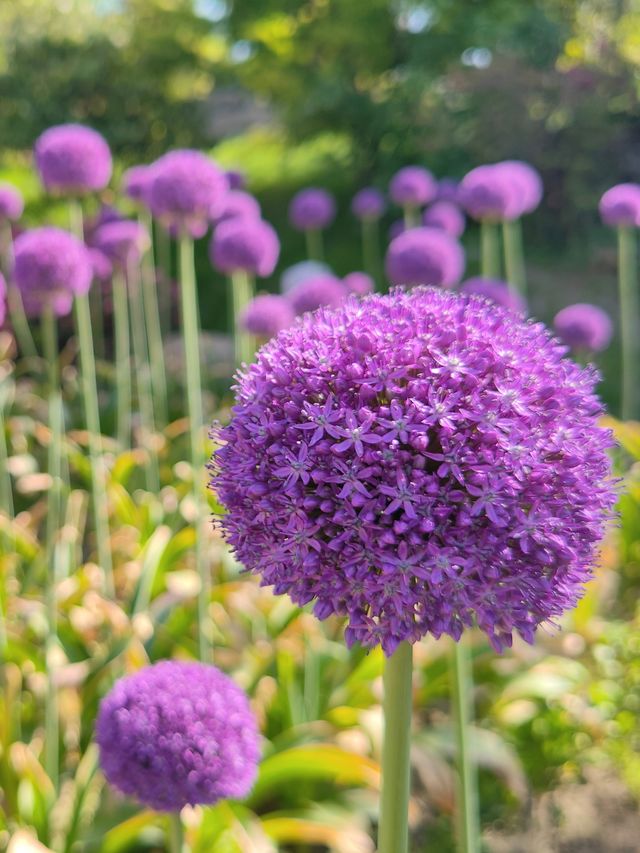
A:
369,203
495,291
73,159
136,182
413,186
584,327
122,242
244,243
445,215
312,209
358,283
266,315
424,256
11,202
239,204
317,291
620,206
502,191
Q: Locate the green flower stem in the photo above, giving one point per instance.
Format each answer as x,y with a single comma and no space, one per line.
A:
6,489
393,833
315,244
467,799
162,245
191,341
629,319
514,256
97,319
242,294
92,418
154,329
176,833
19,322
411,216
123,359
490,249
371,250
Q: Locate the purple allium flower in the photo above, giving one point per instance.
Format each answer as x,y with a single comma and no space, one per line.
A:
249,244
448,190
320,290
266,315
136,182
397,228
3,299
239,203
584,327
123,242
106,214
495,291
11,202
176,734
187,189
446,216
101,265
359,283
369,203
620,205
413,186
418,462
50,265
503,190
424,256
527,181
303,270
235,179
312,209
73,159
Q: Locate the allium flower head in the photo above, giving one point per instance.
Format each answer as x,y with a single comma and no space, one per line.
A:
369,203
239,203
397,228
413,186
101,265
303,270
123,242
245,244
527,181
312,209
418,462
446,216
50,265
176,734
315,292
495,291
11,202
136,182
424,256
266,315
187,189
235,179
72,159
584,327
620,205
448,190
501,191
3,299
359,283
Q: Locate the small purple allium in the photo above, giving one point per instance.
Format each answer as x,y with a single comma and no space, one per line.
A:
396,229
424,256
245,244
73,159
368,203
50,265
448,190
495,291
320,290
11,202
303,270
413,186
620,205
136,182
446,216
101,265
123,242
239,203
584,327
500,191
236,179
527,181
359,283
187,190
266,315
417,462
176,734
312,209
3,299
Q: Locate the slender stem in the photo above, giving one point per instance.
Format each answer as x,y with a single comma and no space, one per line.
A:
191,339
123,359
490,249
242,293
467,799
176,833
154,329
6,490
514,255
315,244
629,318
97,318
411,216
19,321
371,249
163,282
393,833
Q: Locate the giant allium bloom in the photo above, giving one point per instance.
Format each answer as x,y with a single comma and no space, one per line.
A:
239,203
123,242
320,290
446,216
176,734
246,244
495,291
413,186
368,203
136,182
3,299
11,202
417,462
187,190
584,327
50,266
266,315
424,256
620,205
73,159
312,209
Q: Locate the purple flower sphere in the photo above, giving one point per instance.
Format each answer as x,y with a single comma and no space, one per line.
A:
424,256
369,203
266,315
495,291
3,299
136,182
320,290
123,242
312,209
303,270
446,216
235,179
418,462
501,191
50,265
11,202
620,205
584,327
397,228
176,734
239,203
448,190
526,180
359,283
251,245
413,186
101,265
73,159
187,189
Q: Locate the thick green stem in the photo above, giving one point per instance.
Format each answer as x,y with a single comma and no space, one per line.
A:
154,329
191,342
123,359
411,216
467,799
514,256
393,832
242,293
371,249
176,833
490,249
629,319
315,244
